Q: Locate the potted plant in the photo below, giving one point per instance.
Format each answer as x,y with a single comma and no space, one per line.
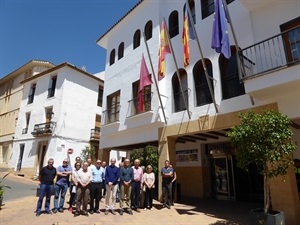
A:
264,140
2,186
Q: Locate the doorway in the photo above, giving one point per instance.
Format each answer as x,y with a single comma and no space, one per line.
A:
42,149
20,159
222,177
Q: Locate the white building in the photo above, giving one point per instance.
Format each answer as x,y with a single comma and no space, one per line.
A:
268,35
60,115
11,91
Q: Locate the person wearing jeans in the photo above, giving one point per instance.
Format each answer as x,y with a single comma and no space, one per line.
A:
46,177
61,186
167,177
111,178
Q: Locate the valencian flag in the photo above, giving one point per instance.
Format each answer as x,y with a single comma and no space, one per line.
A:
187,35
163,50
145,80
220,39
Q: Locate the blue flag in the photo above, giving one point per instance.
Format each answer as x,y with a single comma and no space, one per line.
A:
220,39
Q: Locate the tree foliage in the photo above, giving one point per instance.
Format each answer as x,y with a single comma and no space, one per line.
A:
264,140
87,152
147,156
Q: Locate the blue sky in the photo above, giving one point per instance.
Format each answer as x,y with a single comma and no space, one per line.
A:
57,31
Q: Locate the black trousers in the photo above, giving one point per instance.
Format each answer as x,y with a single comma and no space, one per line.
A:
95,195
135,194
148,198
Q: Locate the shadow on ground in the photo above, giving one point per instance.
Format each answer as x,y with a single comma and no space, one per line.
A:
229,212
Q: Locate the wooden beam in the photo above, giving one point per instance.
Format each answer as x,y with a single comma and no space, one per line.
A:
218,133
197,138
207,136
186,139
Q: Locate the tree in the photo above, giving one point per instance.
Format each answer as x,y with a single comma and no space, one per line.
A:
147,156
87,152
264,140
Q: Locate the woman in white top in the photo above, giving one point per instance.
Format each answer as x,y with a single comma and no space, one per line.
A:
149,180
74,182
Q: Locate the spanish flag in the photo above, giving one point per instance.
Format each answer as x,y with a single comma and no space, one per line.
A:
187,34
163,50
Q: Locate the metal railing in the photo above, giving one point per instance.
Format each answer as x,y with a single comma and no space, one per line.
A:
51,92
273,53
134,104
95,133
30,99
112,114
43,129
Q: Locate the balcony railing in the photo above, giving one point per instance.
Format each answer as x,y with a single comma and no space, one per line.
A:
43,129
134,104
95,133
30,99
51,92
276,52
112,114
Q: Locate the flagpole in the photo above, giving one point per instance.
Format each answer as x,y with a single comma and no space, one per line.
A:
156,85
202,58
177,70
234,38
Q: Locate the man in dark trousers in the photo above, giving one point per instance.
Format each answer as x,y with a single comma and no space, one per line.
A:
167,174
46,177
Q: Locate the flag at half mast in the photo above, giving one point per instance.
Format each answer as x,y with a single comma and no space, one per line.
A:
220,39
145,80
187,35
164,49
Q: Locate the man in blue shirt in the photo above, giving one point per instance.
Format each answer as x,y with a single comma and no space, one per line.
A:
167,177
126,177
61,186
111,180
96,187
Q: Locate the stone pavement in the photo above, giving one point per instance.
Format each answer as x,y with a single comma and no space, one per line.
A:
193,211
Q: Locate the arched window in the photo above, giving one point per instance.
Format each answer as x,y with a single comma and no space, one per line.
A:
192,8
136,39
121,50
179,104
203,95
112,57
173,24
208,7
231,84
148,30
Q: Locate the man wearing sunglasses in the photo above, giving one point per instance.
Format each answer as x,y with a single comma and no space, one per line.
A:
61,186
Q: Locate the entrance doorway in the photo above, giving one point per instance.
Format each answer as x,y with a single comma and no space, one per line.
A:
19,165
42,149
223,177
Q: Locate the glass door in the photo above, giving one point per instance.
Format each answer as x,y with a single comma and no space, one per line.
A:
223,177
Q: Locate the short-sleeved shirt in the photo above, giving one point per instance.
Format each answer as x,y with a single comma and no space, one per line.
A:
63,180
47,175
165,170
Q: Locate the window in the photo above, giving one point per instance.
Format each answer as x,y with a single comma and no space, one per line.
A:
231,84
179,103
121,51
192,8
25,130
148,30
136,100
49,114
208,7
51,90
173,24
136,39
113,107
31,94
112,57
292,39
100,96
203,95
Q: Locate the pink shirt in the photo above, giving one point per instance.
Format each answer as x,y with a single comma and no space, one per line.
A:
138,174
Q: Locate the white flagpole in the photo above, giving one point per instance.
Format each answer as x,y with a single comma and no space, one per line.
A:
202,58
177,70
154,77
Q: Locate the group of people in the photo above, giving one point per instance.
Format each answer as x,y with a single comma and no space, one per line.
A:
87,184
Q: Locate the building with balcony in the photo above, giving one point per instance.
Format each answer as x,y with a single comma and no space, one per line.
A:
261,73
60,114
11,91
